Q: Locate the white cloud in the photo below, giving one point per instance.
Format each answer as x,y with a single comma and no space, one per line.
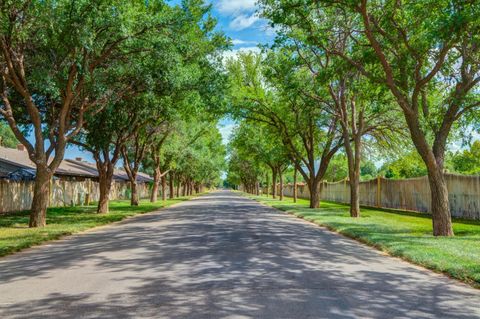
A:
240,42
232,54
236,6
243,21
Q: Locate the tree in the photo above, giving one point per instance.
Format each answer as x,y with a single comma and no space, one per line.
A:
368,170
244,172
362,113
157,161
337,169
359,107
134,151
105,133
162,81
274,90
104,136
468,161
52,53
407,165
255,142
7,138
425,54
202,156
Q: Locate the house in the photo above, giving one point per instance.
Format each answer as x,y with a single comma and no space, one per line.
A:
16,165
118,174
75,182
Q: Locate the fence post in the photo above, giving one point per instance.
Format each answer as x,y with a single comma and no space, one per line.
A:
379,191
89,191
1,196
50,193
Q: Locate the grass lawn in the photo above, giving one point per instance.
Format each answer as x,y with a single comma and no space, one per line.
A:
15,234
404,234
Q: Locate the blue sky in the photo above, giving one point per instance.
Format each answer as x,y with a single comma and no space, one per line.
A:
240,22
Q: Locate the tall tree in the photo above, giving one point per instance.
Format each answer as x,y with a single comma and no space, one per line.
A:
425,53
162,82
276,91
256,142
51,52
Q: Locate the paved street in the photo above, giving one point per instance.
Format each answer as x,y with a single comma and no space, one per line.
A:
222,256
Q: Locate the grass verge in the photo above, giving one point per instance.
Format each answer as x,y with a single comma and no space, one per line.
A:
407,235
61,221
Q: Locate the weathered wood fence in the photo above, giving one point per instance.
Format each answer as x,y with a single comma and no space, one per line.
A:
407,194
17,196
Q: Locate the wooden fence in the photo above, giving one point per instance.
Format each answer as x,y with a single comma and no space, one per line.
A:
17,196
407,194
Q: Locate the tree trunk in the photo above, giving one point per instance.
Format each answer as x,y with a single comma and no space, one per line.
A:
353,159
104,184
178,187
274,183
433,159
164,188
295,185
41,195
102,207
134,195
268,185
441,218
171,185
257,188
280,174
184,189
156,185
354,197
314,189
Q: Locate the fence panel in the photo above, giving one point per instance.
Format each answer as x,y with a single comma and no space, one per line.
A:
406,194
18,196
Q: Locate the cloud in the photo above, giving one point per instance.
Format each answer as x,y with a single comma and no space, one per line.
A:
243,21
232,54
242,13
241,42
231,7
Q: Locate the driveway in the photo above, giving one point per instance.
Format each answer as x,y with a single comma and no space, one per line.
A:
222,256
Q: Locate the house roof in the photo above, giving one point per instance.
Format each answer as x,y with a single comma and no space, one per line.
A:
118,174
20,160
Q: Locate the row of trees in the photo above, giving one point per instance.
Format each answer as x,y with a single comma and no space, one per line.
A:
344,73
125,80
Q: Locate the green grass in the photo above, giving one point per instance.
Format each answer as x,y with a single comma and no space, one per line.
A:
403,234
15,234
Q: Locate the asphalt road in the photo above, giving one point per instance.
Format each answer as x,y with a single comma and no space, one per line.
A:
222,256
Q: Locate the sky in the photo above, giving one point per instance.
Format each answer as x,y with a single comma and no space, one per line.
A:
238,20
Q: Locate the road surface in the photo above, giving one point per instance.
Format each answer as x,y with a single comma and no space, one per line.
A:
222,256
